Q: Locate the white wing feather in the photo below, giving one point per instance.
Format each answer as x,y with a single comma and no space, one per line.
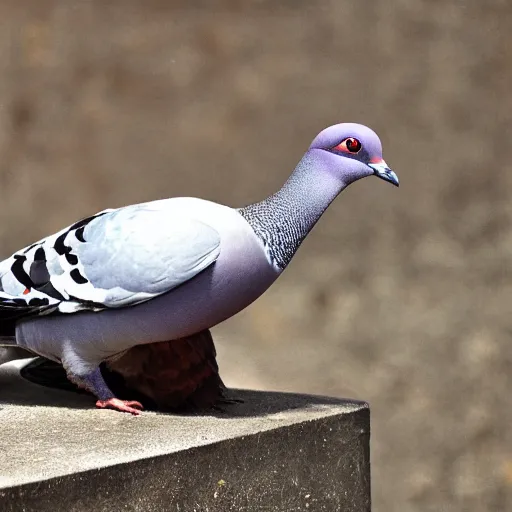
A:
114,259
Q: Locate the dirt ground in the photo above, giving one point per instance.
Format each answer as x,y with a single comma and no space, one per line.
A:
402,297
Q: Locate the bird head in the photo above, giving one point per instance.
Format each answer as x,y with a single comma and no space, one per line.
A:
353,151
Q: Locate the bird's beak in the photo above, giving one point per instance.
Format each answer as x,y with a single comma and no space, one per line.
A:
381,169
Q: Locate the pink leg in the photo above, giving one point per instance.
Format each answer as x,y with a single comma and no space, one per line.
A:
95,383
130,406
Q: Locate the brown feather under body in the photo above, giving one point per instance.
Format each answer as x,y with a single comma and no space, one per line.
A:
175,374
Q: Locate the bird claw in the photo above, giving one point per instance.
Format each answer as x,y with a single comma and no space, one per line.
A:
131,406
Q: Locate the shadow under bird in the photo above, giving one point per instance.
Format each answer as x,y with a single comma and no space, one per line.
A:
162,273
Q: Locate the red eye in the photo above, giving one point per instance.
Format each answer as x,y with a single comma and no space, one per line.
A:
349,145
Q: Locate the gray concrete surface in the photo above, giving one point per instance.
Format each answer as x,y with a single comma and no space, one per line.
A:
276,451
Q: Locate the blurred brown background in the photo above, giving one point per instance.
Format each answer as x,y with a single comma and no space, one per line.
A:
402,297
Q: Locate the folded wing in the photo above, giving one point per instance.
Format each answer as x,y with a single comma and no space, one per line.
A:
116,258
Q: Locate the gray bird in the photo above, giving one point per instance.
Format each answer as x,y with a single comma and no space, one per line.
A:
168,269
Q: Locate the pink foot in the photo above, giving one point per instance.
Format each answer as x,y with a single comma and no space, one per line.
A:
130,406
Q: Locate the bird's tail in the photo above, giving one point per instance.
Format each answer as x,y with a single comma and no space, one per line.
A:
9,314
8,341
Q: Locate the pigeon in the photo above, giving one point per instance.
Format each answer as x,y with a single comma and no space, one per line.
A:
168,269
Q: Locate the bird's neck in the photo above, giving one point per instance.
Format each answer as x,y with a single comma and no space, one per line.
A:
283,220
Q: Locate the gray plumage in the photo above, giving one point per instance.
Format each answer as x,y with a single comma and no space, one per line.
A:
283,220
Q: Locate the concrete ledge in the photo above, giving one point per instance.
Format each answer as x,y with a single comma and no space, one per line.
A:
276,451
